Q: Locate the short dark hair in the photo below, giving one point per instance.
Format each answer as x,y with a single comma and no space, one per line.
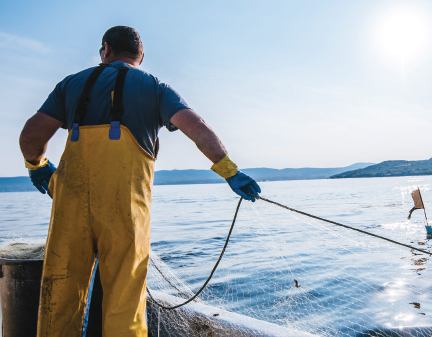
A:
124,40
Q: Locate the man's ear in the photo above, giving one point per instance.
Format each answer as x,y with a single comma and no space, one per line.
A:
142,58
108,50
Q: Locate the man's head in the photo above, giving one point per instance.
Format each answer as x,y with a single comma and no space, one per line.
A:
121,42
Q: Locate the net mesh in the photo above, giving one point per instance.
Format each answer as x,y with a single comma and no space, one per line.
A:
306,275
24,250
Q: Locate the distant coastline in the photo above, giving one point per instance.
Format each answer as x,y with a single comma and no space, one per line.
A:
390,168
181,177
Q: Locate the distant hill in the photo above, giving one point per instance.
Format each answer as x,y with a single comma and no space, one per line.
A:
260,174
391,168
16,184
174,177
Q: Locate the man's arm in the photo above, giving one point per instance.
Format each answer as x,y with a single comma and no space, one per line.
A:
194,127
33,142
35,136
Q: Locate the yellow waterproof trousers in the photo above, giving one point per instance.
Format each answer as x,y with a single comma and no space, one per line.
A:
101,203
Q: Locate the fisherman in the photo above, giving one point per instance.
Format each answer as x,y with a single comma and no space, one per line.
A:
101,189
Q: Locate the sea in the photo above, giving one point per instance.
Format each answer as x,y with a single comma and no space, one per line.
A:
281,266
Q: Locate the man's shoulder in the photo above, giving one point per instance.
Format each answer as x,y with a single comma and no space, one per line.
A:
81,75
142,79
138,75
144,74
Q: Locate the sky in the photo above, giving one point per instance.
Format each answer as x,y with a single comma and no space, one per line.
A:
284,83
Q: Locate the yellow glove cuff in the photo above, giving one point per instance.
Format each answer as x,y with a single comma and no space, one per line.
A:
225,168
32,167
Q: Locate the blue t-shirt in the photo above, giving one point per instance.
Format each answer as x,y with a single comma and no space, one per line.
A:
148,104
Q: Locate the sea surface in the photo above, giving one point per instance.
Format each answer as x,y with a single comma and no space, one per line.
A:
281,266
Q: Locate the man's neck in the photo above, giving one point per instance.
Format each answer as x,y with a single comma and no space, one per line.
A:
132,62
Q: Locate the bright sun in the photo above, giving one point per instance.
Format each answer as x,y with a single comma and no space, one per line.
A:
402,36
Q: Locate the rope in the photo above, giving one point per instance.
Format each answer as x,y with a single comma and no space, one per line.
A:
339,224
231,229
212,272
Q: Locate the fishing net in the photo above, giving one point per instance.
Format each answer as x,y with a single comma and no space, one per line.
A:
27,250
284,274
290,271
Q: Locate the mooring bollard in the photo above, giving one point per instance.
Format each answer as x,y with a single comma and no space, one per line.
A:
19,294
20,282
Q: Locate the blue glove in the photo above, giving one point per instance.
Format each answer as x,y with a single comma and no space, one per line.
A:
41,177
241,184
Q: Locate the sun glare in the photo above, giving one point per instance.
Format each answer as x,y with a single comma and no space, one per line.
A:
402,37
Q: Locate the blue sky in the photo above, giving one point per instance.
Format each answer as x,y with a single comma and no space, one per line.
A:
307,83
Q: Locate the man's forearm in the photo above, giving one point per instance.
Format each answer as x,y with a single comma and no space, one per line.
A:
32,151
32,148
35,136
194,127
209,143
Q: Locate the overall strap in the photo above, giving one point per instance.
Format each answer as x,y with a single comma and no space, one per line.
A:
83,100
117,104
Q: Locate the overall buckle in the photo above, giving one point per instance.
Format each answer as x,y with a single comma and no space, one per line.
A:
75,132
114,132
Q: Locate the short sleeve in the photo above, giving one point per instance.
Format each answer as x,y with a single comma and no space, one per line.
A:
170,102
54,105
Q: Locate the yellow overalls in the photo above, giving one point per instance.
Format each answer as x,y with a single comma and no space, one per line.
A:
101,204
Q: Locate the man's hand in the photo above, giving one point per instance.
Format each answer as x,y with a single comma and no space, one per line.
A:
41,177
244,185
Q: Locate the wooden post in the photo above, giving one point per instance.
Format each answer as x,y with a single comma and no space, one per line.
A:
424,208
428,228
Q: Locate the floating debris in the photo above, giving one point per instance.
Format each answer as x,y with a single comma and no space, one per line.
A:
297,285
416,305
420,262
418,270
